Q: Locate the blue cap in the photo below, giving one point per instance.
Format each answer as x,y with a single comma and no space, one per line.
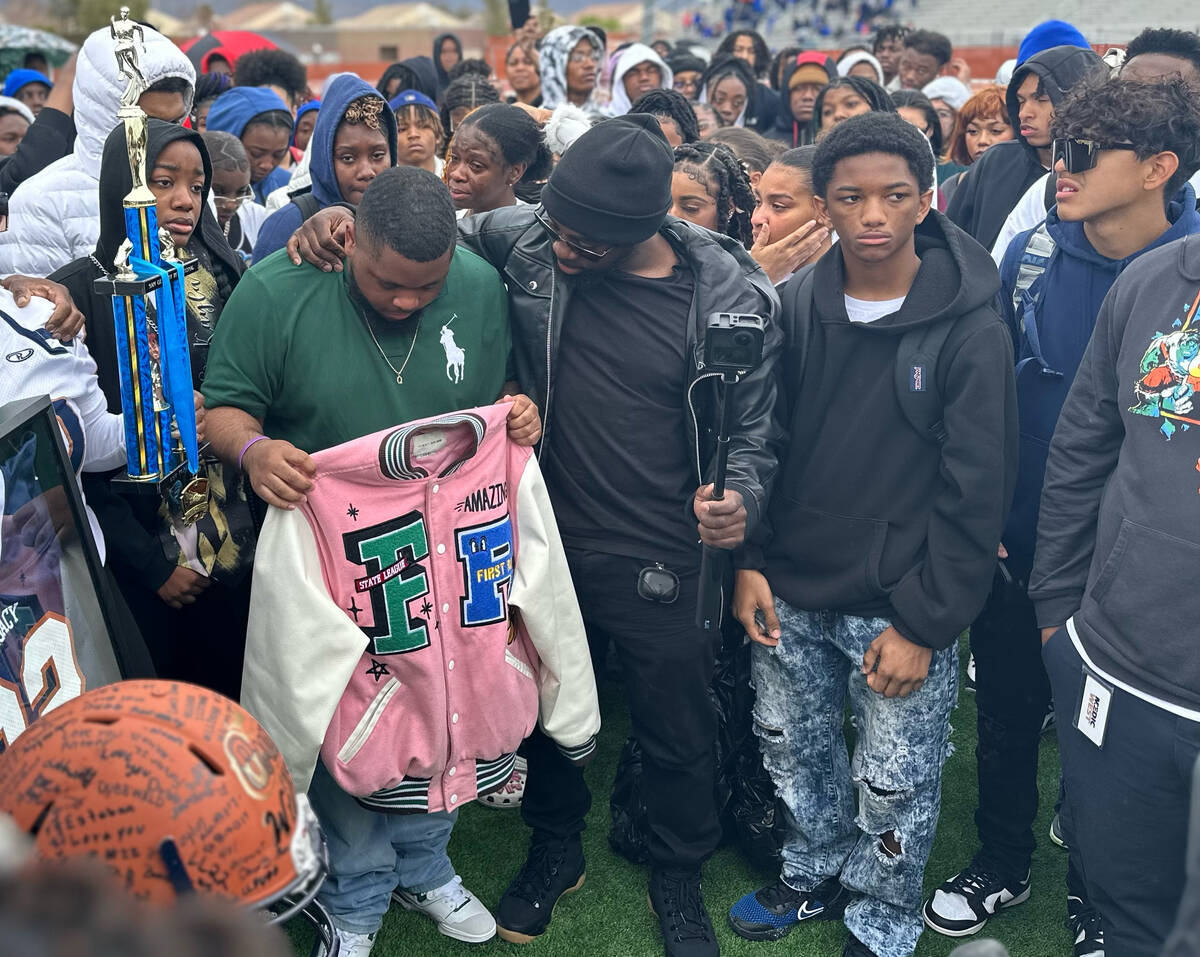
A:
411,98
22,78
1052,33
307,108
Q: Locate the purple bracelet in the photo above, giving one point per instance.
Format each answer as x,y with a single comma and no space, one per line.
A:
246,448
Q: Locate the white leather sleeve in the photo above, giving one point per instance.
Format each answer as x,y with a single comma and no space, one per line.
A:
301,649
542,590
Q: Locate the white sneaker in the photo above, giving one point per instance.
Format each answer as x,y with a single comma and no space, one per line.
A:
455,910
351,944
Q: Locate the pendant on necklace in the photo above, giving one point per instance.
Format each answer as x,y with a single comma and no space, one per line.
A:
399,379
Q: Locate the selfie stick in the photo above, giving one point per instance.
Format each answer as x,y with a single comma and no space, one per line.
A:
711,590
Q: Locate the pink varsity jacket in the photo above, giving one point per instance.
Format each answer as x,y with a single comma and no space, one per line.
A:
428,616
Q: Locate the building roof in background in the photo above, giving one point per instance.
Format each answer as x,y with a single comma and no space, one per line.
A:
402,15
279,15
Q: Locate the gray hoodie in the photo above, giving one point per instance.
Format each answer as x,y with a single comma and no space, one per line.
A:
1119,530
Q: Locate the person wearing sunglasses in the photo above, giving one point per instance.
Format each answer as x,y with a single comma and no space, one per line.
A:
609,299
1153,55
1128,739
1122,151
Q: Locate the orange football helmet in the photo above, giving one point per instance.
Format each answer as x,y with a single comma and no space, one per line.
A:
176,789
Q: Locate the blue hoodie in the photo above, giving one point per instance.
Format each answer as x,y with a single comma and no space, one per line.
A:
344,90
1073,287
232,112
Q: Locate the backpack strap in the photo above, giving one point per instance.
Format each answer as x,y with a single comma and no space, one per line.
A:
1035,257
308,204
1051,190
1039,253
917,388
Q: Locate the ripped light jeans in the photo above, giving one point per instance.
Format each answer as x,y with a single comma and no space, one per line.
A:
801,690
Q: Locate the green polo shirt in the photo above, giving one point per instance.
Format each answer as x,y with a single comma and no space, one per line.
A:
294,351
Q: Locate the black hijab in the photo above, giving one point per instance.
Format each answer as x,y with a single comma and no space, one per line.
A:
116,182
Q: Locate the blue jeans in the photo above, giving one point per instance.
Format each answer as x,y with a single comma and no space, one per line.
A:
372,853
897,768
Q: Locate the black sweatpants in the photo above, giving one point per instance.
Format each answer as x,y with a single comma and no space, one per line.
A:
668,665
1012,693
1129,802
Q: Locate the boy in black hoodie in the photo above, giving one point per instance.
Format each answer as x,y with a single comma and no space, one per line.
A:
880,541
990,189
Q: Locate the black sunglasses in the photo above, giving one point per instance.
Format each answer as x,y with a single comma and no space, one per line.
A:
558,237
1079,156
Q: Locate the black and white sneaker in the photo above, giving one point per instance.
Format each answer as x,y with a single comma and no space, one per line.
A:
1056,832
962,905
1086,927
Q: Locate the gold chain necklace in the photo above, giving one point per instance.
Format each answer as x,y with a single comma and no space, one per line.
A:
398,372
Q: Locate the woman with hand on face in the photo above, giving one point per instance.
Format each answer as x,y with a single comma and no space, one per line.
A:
787,234
494,150
523,74
982,122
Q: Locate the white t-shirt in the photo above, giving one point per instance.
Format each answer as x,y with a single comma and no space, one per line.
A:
865,310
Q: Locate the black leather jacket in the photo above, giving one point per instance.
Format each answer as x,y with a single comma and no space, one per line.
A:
727,280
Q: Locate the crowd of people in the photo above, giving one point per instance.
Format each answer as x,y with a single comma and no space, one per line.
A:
452,345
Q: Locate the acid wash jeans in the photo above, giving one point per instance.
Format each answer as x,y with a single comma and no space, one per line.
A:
801,687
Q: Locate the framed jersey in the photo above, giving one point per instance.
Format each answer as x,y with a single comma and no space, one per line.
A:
57,623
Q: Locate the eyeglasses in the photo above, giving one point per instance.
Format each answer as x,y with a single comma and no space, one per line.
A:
241,196
558,237
1079,156
580,56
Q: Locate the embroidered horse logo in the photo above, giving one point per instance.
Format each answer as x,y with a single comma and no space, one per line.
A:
455,357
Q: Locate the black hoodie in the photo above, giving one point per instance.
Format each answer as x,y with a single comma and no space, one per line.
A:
115,182
443,78
787,128
867,517
988,190
131,529
761,101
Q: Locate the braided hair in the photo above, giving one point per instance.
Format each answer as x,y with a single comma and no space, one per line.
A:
715,165
471,91
675,107
463,67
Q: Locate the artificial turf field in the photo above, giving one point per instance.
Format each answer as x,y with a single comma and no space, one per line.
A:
609,916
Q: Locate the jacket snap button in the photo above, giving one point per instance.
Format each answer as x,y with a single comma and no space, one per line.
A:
532,285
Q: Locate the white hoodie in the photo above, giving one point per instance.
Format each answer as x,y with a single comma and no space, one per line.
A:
630,57
54,216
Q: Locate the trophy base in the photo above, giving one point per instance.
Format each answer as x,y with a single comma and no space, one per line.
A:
136,487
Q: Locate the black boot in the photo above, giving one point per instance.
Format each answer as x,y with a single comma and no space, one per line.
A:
554,867
678,904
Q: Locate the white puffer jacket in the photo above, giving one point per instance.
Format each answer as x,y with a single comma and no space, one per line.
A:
54,216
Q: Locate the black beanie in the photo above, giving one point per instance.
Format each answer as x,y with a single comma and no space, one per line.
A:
614,184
